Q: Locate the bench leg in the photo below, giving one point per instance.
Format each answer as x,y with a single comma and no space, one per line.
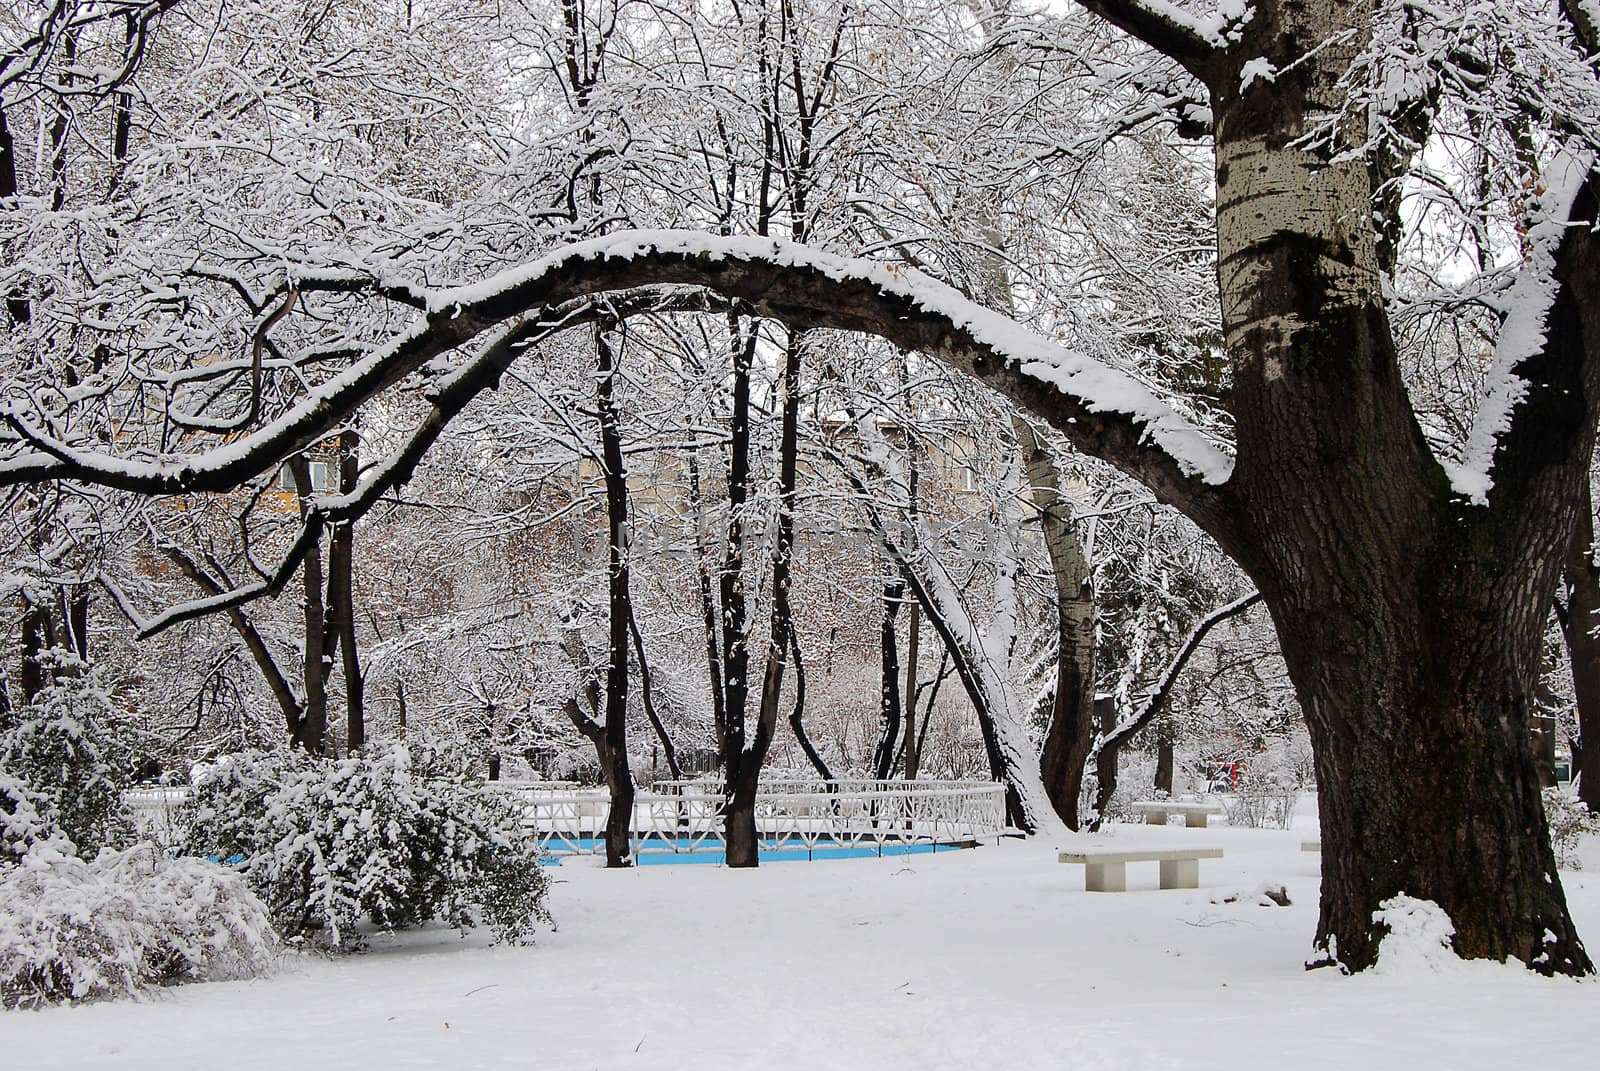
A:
1152,818
1180,873
1105,877
1195,821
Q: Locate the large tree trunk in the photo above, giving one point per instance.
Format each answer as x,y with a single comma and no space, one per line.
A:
1411,622
739,809
1581,626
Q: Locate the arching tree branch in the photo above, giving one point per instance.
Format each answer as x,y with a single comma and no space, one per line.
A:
1100,410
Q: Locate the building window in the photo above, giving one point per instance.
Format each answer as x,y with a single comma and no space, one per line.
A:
321,477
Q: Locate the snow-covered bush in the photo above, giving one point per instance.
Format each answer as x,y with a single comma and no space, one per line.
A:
61,755
399,837
1569,820
24,830
74,930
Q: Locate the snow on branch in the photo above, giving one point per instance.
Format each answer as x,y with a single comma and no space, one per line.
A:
1102,411
1182,35
1522,338
1157,701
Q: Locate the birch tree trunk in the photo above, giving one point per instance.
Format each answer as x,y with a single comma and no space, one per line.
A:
1071,730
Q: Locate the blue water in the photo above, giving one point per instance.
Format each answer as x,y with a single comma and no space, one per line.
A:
657,851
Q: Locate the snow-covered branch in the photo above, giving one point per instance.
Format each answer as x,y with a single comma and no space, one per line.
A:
1102,411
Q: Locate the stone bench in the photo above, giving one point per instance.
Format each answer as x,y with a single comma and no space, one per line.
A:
1194,814
1105,869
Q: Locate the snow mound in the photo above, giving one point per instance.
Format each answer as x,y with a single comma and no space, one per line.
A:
1418,941
1264,894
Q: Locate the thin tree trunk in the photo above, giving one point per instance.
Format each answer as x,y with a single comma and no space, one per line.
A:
1071,730
797,713
1114,735
908,751
889,690
312,730
739,814
341,625
614,745
647,696
780,642
1164,757
708,599
38,636
266,663
1105,760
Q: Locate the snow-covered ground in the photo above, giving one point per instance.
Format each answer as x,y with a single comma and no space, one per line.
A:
991,958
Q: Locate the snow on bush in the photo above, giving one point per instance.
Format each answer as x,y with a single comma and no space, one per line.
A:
1569,820
1418,941
24,831
398,837
71,930
62,772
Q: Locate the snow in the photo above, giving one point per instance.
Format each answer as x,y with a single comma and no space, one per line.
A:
972,959
1259,68
1418,941
1100,387
1218,29
1522,335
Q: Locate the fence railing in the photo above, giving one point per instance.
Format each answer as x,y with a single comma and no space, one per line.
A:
677,817
686,816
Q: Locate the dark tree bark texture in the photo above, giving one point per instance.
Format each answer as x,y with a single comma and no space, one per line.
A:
1581,626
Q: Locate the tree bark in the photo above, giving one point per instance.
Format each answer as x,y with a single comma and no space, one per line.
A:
1410,621
613,746
647,696
708,599
341,624
908,752
38,636
1105,759
739,809
780,641
312,730
798,711
1071,730
1580,625
1163,778
889,713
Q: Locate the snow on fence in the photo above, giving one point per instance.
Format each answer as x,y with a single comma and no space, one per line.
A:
685,816
152,810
